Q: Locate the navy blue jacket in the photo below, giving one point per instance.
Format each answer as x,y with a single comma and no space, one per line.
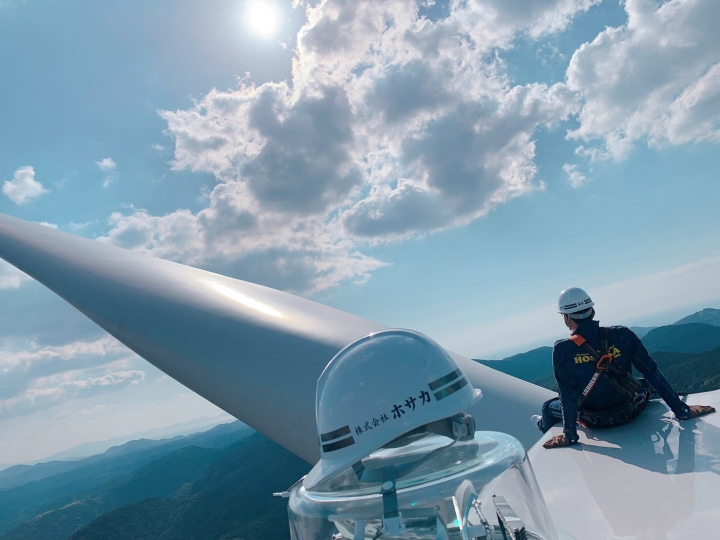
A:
573,367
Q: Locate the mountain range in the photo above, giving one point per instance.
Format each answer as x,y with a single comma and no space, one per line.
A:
69,495
687,352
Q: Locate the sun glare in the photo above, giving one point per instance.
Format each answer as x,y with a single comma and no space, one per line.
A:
262,18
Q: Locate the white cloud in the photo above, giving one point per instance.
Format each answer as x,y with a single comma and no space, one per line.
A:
656,78
392,126
46,224
267,248
11,277
44,396
106,164
576,178
96,409
75,227
42,376
23,187
106,346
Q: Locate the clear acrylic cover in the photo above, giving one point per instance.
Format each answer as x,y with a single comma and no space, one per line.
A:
428,487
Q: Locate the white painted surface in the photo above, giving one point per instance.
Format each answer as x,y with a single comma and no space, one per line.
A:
254,351
656,478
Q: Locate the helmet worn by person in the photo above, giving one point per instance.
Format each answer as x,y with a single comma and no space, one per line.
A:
574,300
378,389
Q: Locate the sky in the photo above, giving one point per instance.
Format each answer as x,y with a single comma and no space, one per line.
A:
444,166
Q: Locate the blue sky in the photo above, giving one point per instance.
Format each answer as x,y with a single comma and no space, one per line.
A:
446,167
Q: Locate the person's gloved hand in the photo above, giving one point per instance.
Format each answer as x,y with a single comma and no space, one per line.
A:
697,410
558,441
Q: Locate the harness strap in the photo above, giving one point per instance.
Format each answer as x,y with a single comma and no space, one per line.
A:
619,378
604,363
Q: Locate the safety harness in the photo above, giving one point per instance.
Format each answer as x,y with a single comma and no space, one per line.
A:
636,392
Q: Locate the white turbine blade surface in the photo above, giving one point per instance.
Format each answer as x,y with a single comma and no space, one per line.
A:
254,351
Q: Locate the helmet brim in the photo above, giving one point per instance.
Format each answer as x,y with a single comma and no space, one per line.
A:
325,469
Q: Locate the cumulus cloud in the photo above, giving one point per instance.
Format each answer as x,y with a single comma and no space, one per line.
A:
392,126
23,187
575,177
656,78
537,18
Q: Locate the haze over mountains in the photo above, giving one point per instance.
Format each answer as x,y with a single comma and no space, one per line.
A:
211,485
687,352
98,447
53,500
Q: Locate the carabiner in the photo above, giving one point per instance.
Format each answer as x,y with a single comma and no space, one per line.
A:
604,366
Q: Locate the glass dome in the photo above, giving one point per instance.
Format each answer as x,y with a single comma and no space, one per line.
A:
428,487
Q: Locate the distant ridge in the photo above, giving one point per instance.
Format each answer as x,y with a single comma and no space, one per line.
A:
159,478
98,447
641,331
687,352
18,475
695,338
534,366
706,316
50,486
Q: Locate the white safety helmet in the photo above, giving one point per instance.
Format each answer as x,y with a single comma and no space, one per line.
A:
573,300
379,388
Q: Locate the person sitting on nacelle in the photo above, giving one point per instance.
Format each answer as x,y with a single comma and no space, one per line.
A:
593,372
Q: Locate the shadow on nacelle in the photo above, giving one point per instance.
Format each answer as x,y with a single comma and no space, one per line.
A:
654,478
658,442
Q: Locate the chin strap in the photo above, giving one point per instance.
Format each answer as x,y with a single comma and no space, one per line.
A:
391,519
460,427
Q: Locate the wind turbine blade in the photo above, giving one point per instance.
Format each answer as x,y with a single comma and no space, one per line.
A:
253,351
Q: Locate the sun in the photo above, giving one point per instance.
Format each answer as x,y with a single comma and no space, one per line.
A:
262,18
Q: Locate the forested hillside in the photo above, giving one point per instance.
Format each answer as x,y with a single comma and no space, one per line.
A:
57,505
533,366
231,499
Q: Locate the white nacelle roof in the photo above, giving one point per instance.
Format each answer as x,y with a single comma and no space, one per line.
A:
654,478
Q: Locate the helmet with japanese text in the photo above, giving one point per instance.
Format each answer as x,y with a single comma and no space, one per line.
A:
382,387
575,302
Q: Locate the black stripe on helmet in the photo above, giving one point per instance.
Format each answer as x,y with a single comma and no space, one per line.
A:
445,392
337,445
332,435
442,381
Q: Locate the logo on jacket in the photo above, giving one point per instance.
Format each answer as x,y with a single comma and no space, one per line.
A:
584,358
